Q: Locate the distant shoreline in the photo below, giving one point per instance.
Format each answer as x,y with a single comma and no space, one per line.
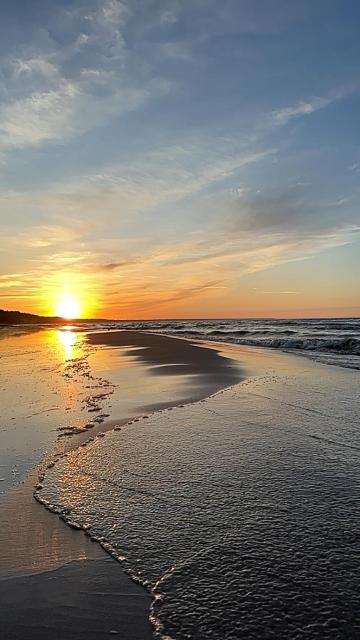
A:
8,318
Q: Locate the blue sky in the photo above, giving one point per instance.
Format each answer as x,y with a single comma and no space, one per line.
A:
180,158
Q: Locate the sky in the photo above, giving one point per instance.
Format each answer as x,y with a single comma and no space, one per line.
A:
180,158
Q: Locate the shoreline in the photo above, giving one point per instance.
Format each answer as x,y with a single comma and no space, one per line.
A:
66,545
264,370
256,364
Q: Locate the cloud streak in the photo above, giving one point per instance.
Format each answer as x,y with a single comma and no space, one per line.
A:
147,153
282,116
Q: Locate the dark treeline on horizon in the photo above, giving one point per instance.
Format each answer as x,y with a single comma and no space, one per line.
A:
18,317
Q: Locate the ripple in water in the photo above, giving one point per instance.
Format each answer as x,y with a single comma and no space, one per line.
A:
241,512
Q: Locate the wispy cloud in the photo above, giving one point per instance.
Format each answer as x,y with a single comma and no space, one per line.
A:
254,231
296,209
143,185
282,293
262,229
120,264
69,110
41,236
194,180
58,93
281,117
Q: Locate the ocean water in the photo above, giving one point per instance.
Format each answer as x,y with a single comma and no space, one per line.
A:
332,341
240,513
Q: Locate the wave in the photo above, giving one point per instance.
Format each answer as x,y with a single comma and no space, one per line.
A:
220,332
337,345
345,345
336,337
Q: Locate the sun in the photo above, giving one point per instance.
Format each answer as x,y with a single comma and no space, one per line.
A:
68,307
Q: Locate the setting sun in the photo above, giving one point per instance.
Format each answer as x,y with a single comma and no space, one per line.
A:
68,307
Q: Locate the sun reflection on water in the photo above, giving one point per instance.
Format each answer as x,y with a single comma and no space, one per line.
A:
68,340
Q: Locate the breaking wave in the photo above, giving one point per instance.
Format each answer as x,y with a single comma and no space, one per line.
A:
330,340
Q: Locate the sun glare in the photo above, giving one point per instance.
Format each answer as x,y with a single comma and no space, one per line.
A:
68,341
68,307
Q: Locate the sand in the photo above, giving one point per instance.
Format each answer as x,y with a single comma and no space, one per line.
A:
83,600
53,580
209,369
56,583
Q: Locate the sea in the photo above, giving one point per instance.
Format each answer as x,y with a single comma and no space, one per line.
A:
333,341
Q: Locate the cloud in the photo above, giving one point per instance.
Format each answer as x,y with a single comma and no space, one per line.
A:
262,229
59,92
185,293
113,266
284,293
176,51
42,116
112,11
35,66
40,236
254,230
173,173
69,111
296,209
6,284
145,298
154,180
281,117
62,89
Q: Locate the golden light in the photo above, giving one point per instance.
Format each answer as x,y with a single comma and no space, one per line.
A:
68,307
68,340
70,295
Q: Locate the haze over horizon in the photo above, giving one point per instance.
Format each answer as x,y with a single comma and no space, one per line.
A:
180,159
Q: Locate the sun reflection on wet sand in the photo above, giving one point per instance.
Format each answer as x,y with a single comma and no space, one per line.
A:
68,340
56,384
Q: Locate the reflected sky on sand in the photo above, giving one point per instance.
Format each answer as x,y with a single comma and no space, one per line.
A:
56,391
55,384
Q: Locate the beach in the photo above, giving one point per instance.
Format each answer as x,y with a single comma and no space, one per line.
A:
224,479
48,390
179,320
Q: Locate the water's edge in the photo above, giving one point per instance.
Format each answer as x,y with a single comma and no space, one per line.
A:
64,514
105,544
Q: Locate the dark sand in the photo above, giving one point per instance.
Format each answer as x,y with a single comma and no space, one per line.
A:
210,370
54,582
84,600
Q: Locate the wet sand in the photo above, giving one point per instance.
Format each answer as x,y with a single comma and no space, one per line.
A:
240,510
84,600
210,371
53,580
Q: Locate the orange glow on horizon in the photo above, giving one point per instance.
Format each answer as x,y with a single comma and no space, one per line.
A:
70,295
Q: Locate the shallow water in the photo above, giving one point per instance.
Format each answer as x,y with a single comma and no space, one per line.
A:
54,385
43,376
57,390
240,512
